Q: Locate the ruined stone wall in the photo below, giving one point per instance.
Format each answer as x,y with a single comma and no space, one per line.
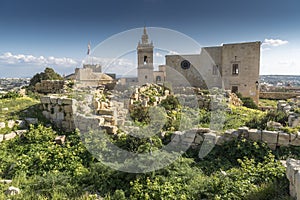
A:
59,110
293,175
272,138
278,95
50,87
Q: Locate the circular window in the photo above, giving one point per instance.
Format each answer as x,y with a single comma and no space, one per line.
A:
185,64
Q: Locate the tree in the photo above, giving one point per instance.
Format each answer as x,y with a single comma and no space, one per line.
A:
48,74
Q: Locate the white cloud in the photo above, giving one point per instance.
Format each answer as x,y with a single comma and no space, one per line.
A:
173,53
15,59
274,42
158,55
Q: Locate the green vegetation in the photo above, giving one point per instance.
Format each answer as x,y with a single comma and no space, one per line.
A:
239,169
268,103
48,74
247,101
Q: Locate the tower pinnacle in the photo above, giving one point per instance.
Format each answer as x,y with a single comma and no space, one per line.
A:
145,37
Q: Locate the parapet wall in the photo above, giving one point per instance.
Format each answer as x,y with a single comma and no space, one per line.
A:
278,95
293,175
272,138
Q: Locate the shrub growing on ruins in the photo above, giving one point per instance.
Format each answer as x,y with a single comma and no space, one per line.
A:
48,74
247,101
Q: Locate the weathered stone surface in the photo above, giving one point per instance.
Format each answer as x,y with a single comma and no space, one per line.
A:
67,101
11,123
109,129
60,139
21,123
6,181
243,132
255,135
10,136
295,139
106,112
21,132
60,116
270,137
30,120
293,175
2,125
198,139
1,137
45,100
12,191
68,108
46,114
283,139
53,100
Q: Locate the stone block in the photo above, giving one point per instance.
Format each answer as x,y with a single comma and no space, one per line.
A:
12,191
295,139
53,100
255,135
60,116
68,108
270,137
45,100
1,137
46,114
231,133
283,139
10,136
243,132
67,101
59,101
106,112
198,139
2,125
57,108
297,184
21,123
109,129
10,123
21,132
60,139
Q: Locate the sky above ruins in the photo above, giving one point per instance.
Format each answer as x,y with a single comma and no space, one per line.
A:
55,33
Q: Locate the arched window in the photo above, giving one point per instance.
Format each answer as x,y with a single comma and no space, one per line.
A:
145,60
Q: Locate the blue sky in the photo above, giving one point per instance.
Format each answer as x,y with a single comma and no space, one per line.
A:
39,33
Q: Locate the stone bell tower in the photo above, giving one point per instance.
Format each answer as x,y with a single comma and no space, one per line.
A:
145,60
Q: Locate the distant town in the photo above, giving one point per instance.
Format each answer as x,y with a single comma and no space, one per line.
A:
267,83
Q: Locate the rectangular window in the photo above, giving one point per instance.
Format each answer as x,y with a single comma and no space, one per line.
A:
235,69
234,89
215,69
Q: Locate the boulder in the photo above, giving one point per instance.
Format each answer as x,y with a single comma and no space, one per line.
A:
30,120
6,181
60,139
10,136
21,123
2,125
10,123
12,191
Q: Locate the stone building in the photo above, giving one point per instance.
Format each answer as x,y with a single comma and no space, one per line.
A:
91,75
234,67
146,73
